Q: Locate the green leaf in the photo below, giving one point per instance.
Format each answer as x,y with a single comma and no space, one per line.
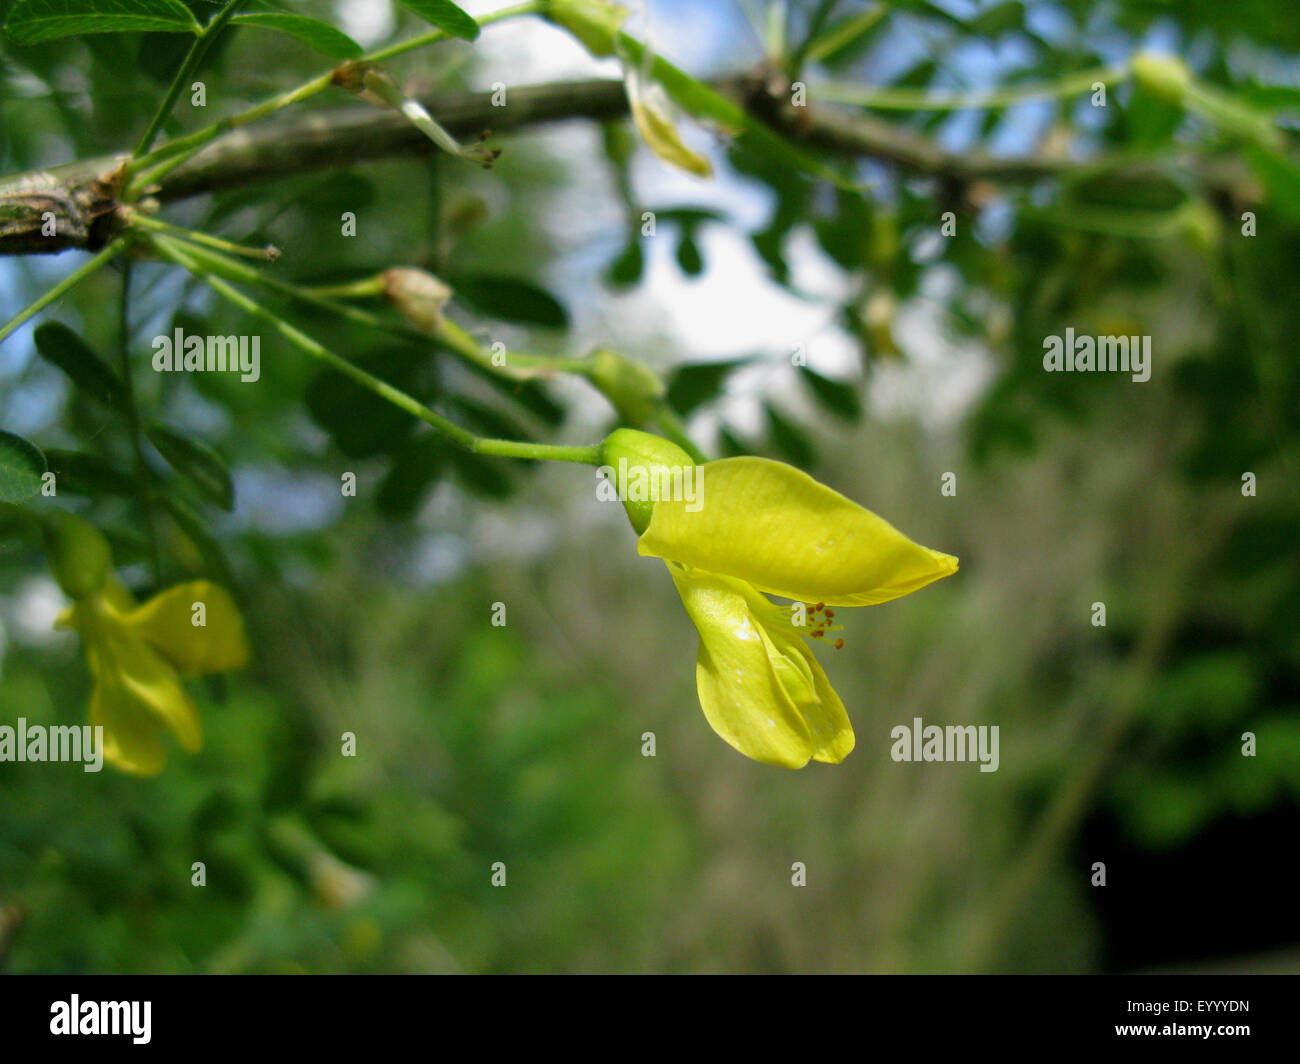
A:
731,445
487,420
696,383
530,395
416,467
846,39
445,15
998,19
21,468
62,347
14,525
158,55
627,268
361,423
510,299
31,21
483,475
78,473
844,235
689,218
788,439
1281,177
689,257
1273,98
311,31
839,397
197,462
209,549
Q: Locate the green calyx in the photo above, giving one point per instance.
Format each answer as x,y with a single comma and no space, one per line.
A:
1165,77
79,555
636,461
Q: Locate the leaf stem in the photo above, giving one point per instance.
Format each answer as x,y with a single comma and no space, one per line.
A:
587,455
142,473
818,48
266,254
105,255
192,60
455,338
529,7
449,334
175,153
816,21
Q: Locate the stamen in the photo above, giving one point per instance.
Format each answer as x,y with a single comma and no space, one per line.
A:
839,644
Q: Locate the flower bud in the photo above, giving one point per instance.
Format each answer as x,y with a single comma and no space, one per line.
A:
79,555
652,113
352,75
1165,77
418,295
634,390
626,454
595,23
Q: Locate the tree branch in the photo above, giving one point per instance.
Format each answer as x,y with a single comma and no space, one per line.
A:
340,137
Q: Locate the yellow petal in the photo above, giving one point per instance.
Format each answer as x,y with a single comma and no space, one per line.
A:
740,690
775,527
165,622
137,697
801,675
649,108
134,741
823,712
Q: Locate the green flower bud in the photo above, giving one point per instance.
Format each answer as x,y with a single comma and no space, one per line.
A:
78,553
595,23
627,455
1165,77
634,389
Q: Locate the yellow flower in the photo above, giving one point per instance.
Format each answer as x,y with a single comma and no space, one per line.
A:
755,526
137,654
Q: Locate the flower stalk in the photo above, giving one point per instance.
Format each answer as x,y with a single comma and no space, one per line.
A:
403,401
